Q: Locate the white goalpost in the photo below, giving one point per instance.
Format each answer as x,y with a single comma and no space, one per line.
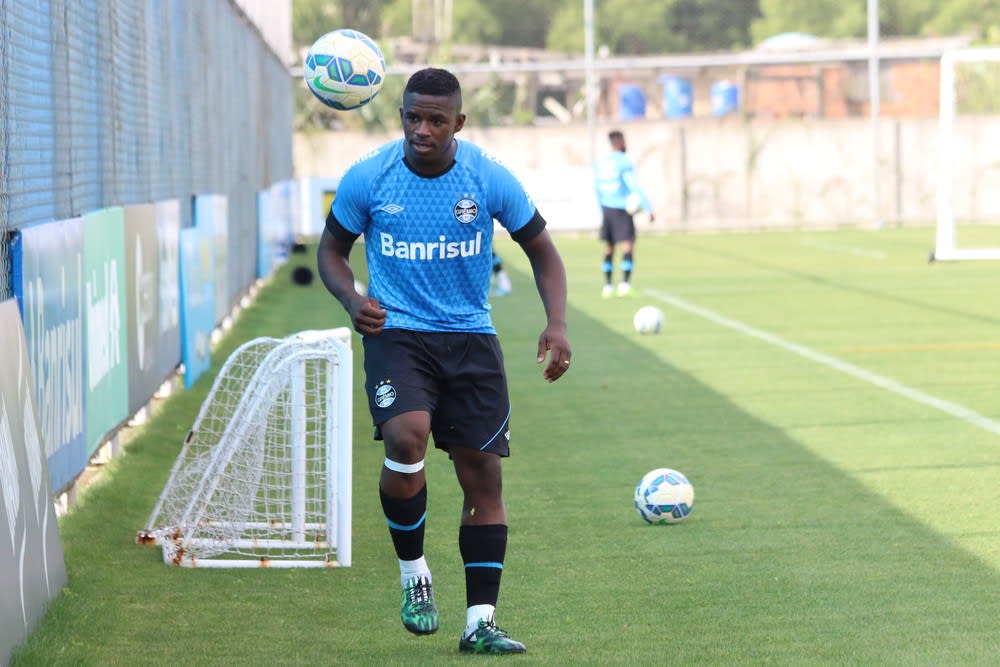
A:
946,246
264,476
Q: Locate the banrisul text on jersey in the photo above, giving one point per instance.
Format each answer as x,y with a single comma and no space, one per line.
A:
429,251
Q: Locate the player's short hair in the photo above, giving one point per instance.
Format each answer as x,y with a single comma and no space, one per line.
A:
616,135
434,81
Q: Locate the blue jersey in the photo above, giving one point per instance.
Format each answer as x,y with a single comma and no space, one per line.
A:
615,179
428,240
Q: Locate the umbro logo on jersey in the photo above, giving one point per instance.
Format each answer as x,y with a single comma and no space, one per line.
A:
466,211
392,209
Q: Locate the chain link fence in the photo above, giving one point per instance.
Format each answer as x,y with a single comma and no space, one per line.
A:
116,102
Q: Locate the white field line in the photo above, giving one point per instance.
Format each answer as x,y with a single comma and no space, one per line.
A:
961,412
850,250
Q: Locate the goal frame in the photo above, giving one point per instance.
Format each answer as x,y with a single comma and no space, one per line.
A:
175,540
945,248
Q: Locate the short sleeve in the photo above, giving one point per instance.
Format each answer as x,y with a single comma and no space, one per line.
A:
513,206
350,205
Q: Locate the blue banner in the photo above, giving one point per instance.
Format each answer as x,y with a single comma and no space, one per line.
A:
264,261
274,227
197,302
51,296
211,216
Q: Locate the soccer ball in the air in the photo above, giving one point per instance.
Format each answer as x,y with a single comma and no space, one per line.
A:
648,320
345,69
664,496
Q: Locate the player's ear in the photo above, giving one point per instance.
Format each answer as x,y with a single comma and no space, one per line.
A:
459,122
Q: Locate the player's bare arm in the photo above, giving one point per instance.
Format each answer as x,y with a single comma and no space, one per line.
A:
332,260
550,278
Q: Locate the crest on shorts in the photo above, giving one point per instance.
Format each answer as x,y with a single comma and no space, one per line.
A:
385,394
466,210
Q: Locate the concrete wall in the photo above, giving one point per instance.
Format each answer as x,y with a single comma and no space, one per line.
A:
707,173
273,18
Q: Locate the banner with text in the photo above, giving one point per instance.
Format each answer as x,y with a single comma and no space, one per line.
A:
31,554
142,284
52,299
168,233
106,345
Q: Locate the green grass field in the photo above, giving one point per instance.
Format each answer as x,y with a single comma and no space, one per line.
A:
831,395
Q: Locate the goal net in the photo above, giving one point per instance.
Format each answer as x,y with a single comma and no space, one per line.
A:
264,476
968,206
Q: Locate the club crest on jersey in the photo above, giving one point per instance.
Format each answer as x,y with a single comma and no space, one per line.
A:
466,210
385,394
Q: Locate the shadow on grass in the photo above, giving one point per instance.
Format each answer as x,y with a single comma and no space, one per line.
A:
785,558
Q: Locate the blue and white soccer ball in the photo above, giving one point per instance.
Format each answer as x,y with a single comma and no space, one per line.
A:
345,69
648,320
664,496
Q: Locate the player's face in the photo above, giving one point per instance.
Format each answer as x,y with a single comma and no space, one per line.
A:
429,125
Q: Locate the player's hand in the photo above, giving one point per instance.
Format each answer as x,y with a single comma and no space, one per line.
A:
554,342
367,316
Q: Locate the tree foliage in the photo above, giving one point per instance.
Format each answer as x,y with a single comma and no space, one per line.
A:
823,18
624,27
653,26
659,26
979,19
312,18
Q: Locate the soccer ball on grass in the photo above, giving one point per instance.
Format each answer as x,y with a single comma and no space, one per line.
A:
664,496
345,69
648,320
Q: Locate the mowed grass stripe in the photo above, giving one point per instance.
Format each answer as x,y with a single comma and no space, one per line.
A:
958,411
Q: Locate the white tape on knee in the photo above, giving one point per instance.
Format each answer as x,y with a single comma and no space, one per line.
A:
404,467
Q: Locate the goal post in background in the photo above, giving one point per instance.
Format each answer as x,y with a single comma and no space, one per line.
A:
264,476
970,83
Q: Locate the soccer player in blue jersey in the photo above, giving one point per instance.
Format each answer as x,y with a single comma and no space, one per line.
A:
433,365
620,196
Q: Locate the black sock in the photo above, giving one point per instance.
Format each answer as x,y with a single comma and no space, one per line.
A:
627,267
607,267
483,549
406,523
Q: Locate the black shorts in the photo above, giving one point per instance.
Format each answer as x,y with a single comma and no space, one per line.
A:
458,378
616,225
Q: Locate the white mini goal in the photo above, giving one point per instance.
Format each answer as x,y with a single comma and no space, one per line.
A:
264,476
970,81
